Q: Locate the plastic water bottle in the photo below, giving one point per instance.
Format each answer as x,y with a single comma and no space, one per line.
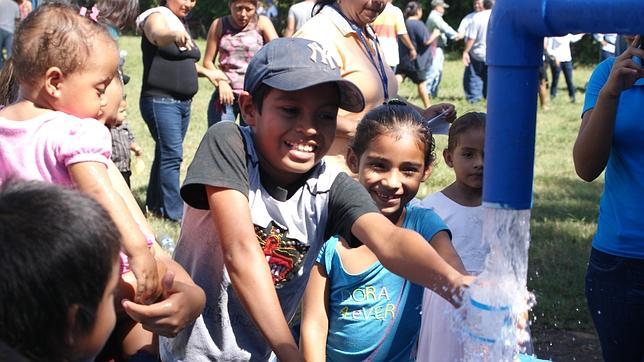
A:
167,244
227,113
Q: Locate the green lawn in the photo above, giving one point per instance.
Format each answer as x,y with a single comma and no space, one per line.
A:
565,208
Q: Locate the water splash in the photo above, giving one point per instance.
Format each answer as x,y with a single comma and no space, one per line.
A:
498,299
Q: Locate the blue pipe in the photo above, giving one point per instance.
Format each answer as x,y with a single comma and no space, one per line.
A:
514,54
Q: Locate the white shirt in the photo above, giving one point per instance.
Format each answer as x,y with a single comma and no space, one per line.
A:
559,47
478,31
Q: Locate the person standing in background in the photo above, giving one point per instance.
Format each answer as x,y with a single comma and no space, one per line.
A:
560,58
472,83
25,8
389,26
435,21
9,17
476,45
607,42
298,14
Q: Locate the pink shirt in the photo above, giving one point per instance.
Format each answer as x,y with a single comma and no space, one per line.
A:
42,148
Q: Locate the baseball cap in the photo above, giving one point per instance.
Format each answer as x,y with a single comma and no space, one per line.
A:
292,64
439,3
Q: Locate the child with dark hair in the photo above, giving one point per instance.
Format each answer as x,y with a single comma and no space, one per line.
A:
261,202
59,268
459,205
355,309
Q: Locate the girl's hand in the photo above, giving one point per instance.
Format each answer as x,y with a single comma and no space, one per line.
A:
144,268
226,95
448,109
625,71
183,40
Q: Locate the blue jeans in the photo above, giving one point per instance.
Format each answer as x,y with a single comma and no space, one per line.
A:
167,119
472,85
216,111
615,295
435,72
556,71
480,69
6,42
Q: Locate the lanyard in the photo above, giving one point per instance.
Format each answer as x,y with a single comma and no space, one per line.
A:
380,69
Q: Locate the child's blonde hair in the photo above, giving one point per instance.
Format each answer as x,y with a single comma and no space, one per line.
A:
54,35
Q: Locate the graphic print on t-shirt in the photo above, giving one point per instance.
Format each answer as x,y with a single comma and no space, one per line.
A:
283,254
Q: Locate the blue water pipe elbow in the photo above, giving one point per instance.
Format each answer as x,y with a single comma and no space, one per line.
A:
514,55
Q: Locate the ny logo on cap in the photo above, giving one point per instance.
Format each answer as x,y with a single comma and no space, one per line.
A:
317,51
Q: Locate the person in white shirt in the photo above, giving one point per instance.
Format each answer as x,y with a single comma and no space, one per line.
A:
472,83
475,47
560,58
607,42
298,14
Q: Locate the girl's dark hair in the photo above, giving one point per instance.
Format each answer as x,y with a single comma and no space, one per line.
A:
412,8
54,35
120,14
464,123
8,84
393,119
319,4
57,249
255,2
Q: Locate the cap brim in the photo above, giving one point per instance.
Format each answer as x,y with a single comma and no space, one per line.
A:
351,98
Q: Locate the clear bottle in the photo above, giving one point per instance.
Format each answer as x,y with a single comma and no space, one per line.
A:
227,113
168,244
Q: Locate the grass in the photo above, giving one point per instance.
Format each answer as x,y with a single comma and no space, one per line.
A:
565,208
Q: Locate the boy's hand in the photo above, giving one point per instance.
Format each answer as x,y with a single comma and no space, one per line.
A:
173,312
144,268
138,151
226,95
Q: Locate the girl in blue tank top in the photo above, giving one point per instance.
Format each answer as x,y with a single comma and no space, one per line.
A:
354,309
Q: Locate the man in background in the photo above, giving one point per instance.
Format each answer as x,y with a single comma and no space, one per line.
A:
435,21
9,17
476,45
298,14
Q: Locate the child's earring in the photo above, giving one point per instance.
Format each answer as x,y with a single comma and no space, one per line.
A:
53,80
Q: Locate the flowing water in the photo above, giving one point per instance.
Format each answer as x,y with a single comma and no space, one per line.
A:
497,301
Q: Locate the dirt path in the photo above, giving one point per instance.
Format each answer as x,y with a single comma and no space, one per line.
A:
563,346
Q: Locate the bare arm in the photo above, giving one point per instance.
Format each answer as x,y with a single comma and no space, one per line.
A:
407,41
466,52
444,247
315,317
212,44
92,178
593,144
157,32
248,269
267,29
407,254
290,27
433,36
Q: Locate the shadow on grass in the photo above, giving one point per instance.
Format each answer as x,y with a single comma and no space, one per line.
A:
563,224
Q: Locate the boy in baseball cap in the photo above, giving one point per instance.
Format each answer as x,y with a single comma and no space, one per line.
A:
260,201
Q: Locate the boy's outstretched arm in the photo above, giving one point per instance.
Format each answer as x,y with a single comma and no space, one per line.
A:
407,254
315,318
248,269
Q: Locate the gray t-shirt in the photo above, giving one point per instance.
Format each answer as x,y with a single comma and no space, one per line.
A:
301,12
9,13
477,30
291,225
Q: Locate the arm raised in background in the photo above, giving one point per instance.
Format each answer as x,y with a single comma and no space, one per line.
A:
594,141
